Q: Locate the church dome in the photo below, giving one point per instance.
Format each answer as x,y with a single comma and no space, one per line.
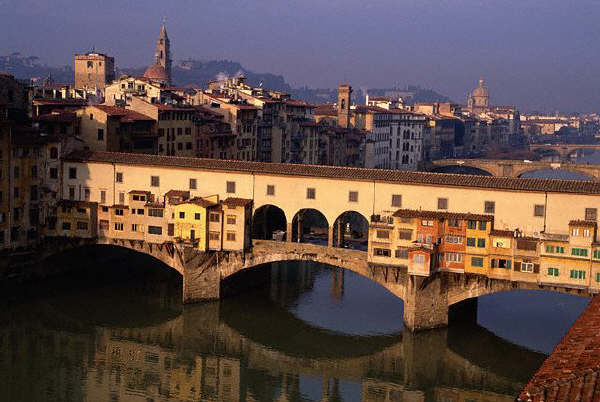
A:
156,72
481,90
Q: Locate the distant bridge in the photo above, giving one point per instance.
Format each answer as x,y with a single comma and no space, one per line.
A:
563,150
516,168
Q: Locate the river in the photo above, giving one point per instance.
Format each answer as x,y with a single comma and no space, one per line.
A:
116,331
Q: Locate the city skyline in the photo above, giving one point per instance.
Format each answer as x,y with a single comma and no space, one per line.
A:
524,58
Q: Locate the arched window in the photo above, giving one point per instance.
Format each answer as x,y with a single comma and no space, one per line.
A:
343,104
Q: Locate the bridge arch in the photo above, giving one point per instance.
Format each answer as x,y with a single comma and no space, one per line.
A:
462,169
309,225
564,173
268,221
351,230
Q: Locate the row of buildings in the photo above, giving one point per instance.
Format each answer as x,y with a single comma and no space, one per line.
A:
428,241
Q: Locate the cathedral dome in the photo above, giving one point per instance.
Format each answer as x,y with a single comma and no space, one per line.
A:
156,72
481,90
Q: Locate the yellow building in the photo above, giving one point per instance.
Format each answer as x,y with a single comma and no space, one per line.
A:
190,220
77,219
477,246
501,253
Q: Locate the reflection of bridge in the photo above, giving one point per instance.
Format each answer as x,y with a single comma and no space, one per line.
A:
563,150
516,168
427,300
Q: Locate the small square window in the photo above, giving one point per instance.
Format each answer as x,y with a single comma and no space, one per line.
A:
197,216
591,214
72,173
182,215
155,181
193,184
100,134
397,200
353,196
489,207
270,189
119,177
310,193
442,203
230,187
538,210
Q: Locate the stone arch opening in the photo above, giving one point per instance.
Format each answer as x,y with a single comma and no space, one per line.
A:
565,174
310,226
269,223
461,169
351,230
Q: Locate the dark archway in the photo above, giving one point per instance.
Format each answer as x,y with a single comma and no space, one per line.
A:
310,226
351,230
461,169
269,223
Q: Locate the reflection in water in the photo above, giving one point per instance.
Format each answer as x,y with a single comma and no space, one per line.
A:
314,333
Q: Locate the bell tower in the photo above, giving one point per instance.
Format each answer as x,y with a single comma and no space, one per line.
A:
343,105
162,56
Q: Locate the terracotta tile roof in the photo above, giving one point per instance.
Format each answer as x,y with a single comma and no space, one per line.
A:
582,223
197,201
140,192
126,115
237,202
325,110
76,204
571,372
177,193
74,102
503,233
58,116
295,102
412,213
347,173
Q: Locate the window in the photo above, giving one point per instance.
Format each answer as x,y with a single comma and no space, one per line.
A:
477,261
53,173
213,236
353,196
560,249
482,225
402,253
471,224
382,252
577,274
192,184
397,200
197,216
53,153
270,189
134,227
552,271
71,192
549,249
575,232
489,207
453,257
33,193
426,222
118,226
72,173
501,263
579,252
82,226
154,181
538,210
34,172
471,241
230,236
155,212
442,203
103,224
526,267
155,230
591,214
405,234
310,193
383,234
119,211
102,196
140,211
182,215
230,187
121,198
119,177
214,217
418,259
597,254
231,219
453,223
481,243
66,225
100,134
454,239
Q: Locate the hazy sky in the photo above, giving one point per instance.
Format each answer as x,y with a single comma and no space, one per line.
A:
542,54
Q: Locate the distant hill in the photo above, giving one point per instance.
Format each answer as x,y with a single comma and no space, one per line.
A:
199,73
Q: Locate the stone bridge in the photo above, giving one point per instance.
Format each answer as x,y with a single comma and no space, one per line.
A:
516,168
563,150
427,300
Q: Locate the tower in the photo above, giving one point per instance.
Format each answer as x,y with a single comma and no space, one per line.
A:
343,105
163,51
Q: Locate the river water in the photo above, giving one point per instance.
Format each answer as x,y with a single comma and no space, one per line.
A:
116,331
